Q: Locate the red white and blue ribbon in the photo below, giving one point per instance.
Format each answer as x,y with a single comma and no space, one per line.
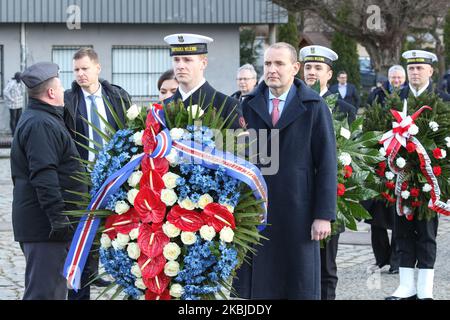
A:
163,146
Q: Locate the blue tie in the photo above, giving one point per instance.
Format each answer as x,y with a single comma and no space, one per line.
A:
95,120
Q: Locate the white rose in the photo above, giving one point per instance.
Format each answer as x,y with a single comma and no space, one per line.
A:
405,194
133,250
122,239
134,234
172,268
176,290
345,133
134,178
171,251
194,109
116,245
383,152
133,112
187,204
170,230
413,130
434,126
207,232
121,207
426,188
407,210
204,200
226,234
173,157
188,238
401,163
444,154
131,195
136,270
169,197
389,175
170,180
176,133
447,141
139,283
105,241
137,138
345,159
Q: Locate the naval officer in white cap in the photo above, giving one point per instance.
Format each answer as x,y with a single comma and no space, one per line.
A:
318,66
189,59
419,70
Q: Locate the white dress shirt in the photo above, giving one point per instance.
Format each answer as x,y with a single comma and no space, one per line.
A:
185,95
282,99
417,93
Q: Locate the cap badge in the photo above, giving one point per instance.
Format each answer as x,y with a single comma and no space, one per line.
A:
180,39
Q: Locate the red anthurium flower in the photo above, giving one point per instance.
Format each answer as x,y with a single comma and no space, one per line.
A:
157,284
149,206
151,242
340,189
185,220
390,185
414,192
416,203
409,217
348,170
410,147
437,171
149,140
152,180
150,267
153,296
121,223
404,185
152,123
218,216
437,153
160,165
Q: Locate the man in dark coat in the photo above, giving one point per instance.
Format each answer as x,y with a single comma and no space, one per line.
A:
189,63
302,194
42,163
318,63
87,95
396,81
347,91
246,79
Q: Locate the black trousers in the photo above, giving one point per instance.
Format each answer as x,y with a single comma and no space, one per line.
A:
385,253
14,115
416,241
328,268
44,278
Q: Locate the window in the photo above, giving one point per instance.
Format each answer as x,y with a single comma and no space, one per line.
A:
137,69
63,56
1,71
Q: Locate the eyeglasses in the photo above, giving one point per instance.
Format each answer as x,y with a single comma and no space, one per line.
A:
244,79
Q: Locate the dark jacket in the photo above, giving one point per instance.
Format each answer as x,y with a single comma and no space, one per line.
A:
42,163
378,95
404,93
75,109
346,109
287,266
208,95
352,95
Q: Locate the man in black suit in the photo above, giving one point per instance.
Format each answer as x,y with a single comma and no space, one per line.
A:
347,91
88,94
189,63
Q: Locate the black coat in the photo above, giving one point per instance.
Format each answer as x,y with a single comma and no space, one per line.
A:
404,93
207,95
379,94
287,266
42,163
346,109
352,95
75,109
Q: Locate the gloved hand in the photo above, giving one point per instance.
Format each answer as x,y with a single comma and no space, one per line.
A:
62,230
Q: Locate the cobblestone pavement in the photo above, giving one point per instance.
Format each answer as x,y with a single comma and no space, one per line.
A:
357,281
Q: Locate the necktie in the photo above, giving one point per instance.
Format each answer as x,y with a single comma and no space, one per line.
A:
275,111
95,120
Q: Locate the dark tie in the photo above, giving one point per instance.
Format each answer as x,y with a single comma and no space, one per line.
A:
275,111
95,120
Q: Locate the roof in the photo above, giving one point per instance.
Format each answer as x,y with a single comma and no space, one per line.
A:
143,11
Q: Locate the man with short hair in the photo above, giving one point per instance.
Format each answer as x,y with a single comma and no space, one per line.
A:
302,194
396,82
189,60
246,81
347,91
88,96
43,159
